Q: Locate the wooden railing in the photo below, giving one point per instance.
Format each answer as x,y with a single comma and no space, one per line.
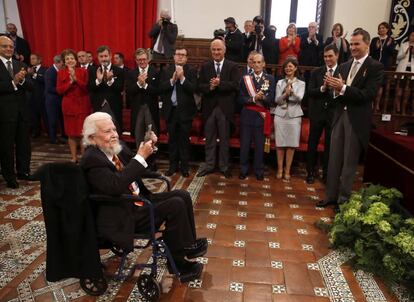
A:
395,96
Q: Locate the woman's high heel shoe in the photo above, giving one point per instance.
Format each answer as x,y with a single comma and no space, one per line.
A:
279,174
287,175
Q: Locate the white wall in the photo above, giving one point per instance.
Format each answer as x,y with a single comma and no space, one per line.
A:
199,18
357,13
10,15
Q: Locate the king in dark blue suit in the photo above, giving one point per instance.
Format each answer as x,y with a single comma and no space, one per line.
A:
257,92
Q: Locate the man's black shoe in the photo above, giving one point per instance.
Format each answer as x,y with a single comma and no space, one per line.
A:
325,203
310,178
170,172
12,184
23,176
242,176
188,270
185,174
197,249
204,172
227,173
259,177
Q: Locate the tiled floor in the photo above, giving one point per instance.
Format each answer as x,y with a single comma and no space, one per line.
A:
263,245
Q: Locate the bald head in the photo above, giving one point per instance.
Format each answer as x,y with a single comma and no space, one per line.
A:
218,49
6,47
165,14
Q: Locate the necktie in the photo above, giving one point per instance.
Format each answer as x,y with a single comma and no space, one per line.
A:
354,70
330,71
160,46
119,167
174,95
250,71
105,74
218,69
10,68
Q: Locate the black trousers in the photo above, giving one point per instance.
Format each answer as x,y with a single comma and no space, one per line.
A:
15,141
315,132
176,209
178,142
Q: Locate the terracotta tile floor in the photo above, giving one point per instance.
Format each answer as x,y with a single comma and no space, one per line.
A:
263,244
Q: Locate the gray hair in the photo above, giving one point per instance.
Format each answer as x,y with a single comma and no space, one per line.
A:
57,59
89,126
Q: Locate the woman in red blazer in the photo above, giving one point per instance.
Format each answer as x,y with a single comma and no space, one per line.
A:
72,85
289,46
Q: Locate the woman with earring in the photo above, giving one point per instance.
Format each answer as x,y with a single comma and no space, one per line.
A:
72,85
288,116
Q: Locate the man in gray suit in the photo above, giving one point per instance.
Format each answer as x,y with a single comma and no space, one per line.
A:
354,90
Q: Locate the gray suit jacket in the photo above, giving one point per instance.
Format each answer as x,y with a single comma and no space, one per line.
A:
293,108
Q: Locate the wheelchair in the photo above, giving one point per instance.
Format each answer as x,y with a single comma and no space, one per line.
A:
67,178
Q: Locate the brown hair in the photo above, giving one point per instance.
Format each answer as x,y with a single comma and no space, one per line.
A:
386,25
341,29
67,52
292,60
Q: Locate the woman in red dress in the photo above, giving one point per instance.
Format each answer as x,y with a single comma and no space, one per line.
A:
289,46
72,85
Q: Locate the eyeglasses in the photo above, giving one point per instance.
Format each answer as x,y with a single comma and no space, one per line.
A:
180,54
7,46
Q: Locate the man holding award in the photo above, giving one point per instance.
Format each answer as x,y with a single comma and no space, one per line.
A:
257,92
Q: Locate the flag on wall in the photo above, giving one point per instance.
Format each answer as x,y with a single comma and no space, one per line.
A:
401,18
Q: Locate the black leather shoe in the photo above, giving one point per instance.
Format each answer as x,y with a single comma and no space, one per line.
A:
170,172
227,173
310,178
325,203
259,177
197,249
12,184
242,176
185,174
23,176
204,172
188,270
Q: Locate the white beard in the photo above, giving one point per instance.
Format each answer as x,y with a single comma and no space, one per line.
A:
115,150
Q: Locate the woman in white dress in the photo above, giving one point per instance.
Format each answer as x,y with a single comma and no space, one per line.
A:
288,115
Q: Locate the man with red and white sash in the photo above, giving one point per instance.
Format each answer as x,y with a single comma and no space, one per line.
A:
257,92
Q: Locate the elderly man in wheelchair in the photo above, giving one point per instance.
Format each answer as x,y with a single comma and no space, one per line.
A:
112,169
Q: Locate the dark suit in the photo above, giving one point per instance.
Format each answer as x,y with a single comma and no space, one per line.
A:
321,107
218,109
21,47
117,222
270,47
144,102
53,104
351,126
310,53
252,124
110,93
234,46
178,116
169,35
37,101
14,123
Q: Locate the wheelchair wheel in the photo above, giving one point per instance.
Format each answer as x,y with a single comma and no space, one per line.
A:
149,287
